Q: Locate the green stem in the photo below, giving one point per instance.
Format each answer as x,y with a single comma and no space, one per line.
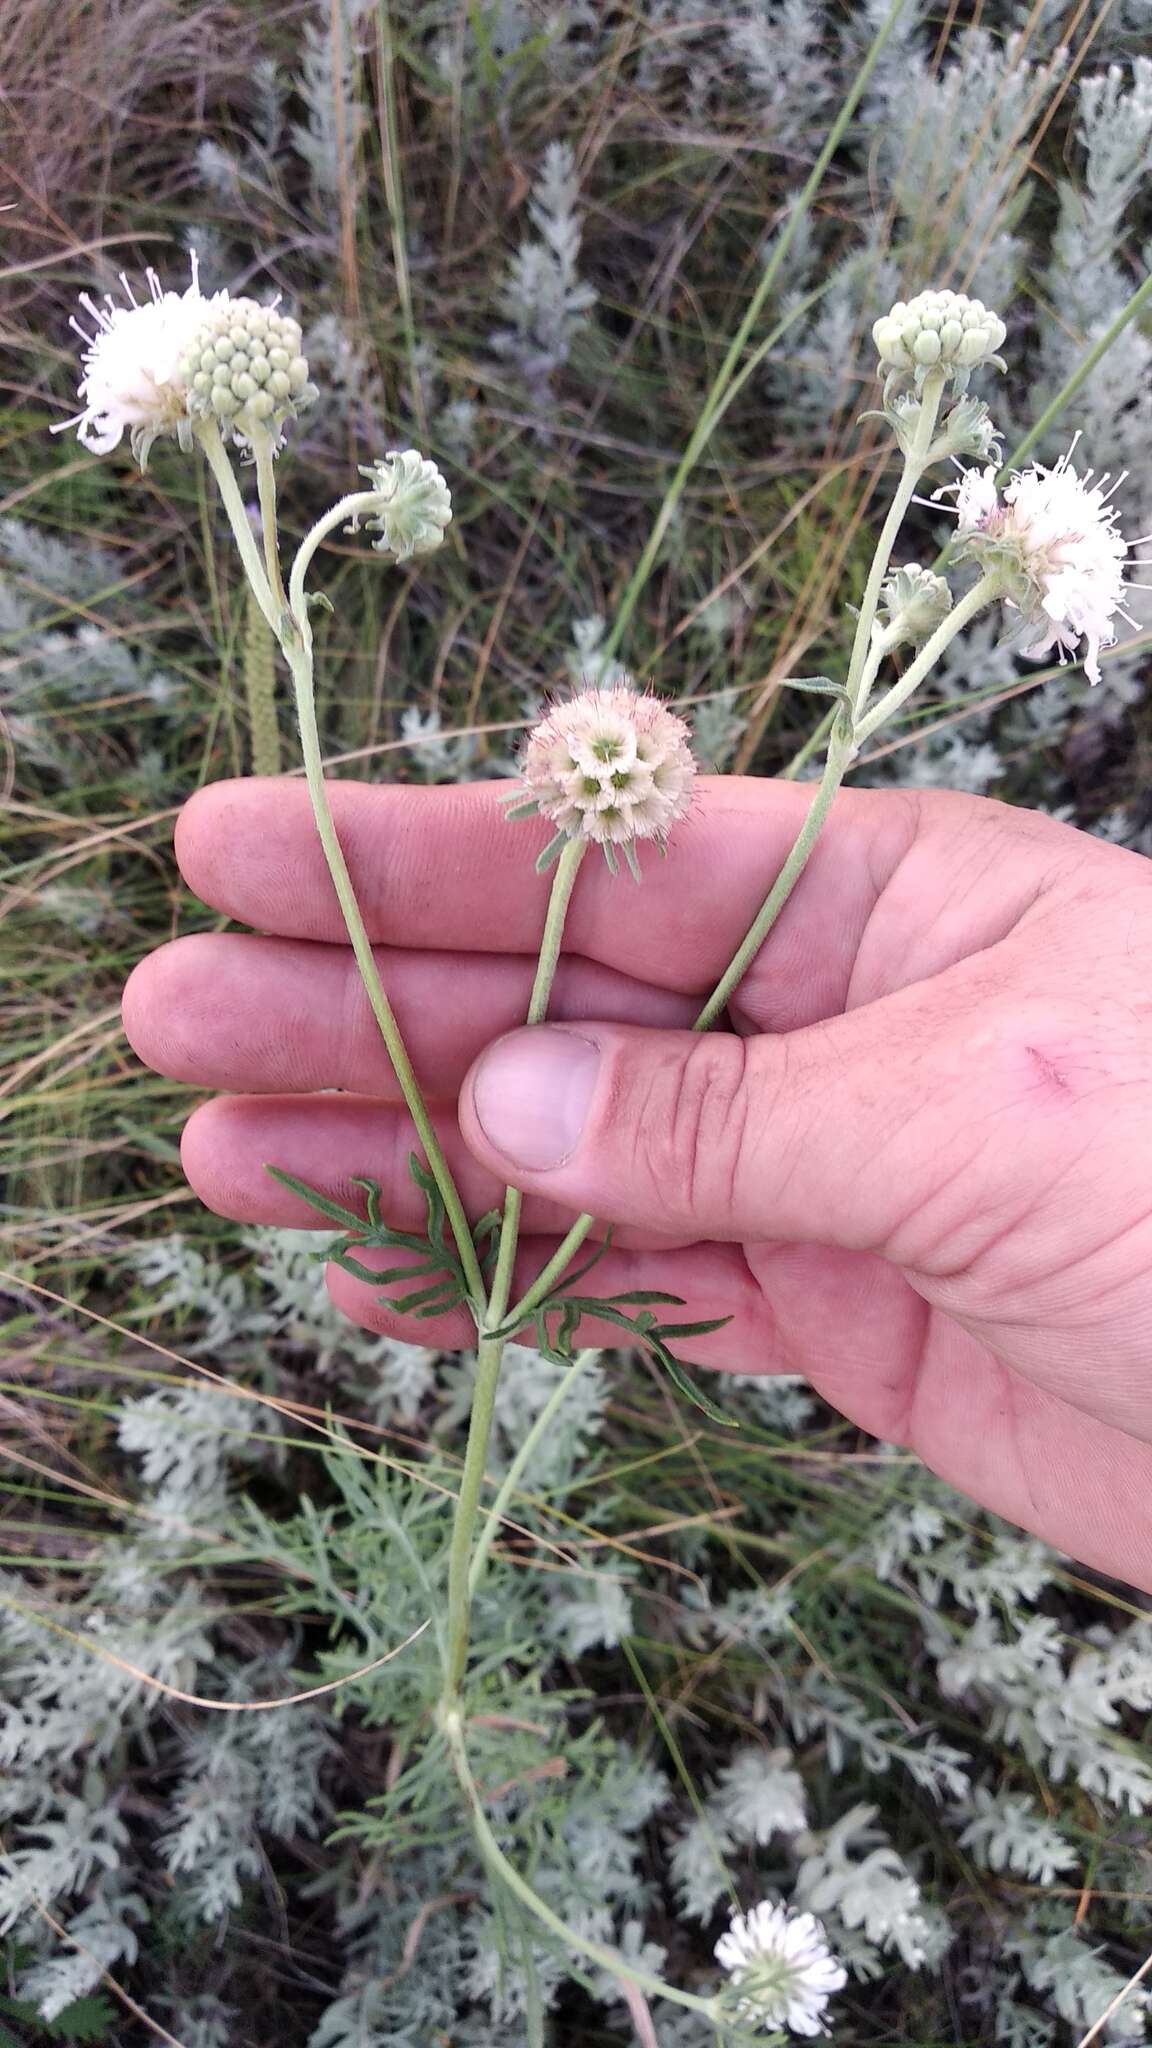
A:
262,446
208,435
511,1479
839,755
452,1726
490,1350
914,467
296,640
978,599
722,389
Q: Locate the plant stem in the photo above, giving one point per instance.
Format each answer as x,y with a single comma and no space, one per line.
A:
839,755
914,466
262,445
511,1478
452,1726
208,435
978,599
296,641
490,1350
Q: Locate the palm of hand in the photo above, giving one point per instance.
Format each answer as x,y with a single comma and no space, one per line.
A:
917,1174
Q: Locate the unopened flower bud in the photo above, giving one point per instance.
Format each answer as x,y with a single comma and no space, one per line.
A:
244,367
938,330
413,508
913,602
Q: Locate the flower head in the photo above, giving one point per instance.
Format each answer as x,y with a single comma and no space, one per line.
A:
1053,536
611,766
913,602
414,505
783,1972
133,376
938,330
243,367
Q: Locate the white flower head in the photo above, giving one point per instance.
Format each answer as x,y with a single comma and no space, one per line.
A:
1054,537
783,1972
133,377
938,331
611,766
414,505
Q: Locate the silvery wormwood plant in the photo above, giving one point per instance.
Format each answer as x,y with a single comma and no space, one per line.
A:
610,768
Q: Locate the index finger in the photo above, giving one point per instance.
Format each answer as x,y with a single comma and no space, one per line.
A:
443,867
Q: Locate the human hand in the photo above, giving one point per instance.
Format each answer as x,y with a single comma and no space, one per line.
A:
918,1171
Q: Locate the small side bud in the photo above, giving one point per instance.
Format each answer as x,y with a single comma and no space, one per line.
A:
913,602
413,505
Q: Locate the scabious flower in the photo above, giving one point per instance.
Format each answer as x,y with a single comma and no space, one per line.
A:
783,1972
133,376
413,508
243,366
913,602
156,368
938,330
611,766
1054,539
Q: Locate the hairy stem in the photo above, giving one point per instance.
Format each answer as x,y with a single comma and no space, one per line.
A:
262,449
490,1351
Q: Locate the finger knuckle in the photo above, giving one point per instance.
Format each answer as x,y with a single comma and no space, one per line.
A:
694,1131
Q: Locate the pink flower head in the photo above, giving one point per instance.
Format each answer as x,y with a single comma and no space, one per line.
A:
1054,536
610,766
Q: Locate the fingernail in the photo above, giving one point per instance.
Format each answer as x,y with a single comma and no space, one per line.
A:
531,1092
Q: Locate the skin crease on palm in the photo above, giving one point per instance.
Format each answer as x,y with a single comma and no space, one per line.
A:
917,1169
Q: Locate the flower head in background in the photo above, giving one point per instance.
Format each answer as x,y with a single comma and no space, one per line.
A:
243,367
610,766
938,331
1053,537
782,1971
414,505
133,377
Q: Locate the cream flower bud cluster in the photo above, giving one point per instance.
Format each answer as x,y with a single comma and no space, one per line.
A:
782,1970
610,766
244,366
913,602
413,508
1053,538
944,330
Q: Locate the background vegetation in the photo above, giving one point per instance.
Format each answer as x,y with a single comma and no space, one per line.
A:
523,236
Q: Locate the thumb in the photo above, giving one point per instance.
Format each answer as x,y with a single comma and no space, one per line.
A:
712,1136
